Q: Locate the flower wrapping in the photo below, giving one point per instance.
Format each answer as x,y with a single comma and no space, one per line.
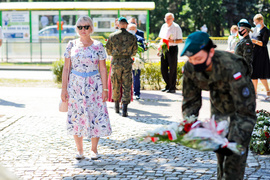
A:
203,136
137,64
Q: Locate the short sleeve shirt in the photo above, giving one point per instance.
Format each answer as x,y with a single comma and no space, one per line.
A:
173,32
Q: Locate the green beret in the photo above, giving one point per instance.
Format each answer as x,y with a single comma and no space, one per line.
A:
194,43
244,23
123,19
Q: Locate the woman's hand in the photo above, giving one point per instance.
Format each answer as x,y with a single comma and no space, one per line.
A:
104,96
64,95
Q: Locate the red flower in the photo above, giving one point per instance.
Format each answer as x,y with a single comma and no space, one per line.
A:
187,127
266,134
106,39
166,41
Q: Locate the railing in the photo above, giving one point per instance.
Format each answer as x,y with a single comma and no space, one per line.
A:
47,52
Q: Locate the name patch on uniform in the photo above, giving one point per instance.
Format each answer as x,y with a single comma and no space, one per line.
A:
245,92
237,76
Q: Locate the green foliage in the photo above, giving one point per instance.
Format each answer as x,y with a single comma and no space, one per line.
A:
57,69
260,140
151,77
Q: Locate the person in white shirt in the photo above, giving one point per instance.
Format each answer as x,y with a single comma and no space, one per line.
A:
233,39
204,28
173,33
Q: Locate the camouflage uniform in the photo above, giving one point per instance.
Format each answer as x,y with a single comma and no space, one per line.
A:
244,49
121,45
229,96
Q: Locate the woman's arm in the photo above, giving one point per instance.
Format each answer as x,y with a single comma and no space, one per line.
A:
103,74
65,74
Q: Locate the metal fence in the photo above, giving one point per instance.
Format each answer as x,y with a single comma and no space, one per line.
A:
47,52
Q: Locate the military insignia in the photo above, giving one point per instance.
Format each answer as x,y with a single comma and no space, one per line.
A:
237,76
248,50
245,92
188,53
247,44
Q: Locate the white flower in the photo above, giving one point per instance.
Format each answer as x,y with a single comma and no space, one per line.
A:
137,64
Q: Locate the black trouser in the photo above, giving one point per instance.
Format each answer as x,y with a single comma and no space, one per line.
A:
169,74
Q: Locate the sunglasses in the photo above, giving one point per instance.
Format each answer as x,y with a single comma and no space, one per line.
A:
81,27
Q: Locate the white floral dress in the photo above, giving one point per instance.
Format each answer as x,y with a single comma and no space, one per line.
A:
87,114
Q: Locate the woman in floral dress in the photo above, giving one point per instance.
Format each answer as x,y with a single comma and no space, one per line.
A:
86,88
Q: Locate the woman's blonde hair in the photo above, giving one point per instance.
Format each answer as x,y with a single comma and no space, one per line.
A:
258,17
248,29
234,27
86,19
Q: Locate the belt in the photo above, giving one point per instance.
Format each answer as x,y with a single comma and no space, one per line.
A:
121,56
92,73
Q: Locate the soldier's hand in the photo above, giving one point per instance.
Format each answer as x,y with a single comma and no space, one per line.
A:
158,54
224,151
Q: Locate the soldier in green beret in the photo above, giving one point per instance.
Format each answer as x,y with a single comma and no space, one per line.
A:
121,45
232,95
244,48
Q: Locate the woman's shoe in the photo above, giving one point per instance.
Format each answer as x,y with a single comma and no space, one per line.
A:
267,97
93,155
79,157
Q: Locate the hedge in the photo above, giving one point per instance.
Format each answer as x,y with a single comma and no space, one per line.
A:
151,77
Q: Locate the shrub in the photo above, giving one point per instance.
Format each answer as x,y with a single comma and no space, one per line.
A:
151,77
57,69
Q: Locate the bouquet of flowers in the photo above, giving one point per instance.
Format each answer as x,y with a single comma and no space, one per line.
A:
260,138
163,46
137,64
204,136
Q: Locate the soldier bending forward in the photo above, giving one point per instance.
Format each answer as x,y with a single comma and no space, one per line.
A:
232,94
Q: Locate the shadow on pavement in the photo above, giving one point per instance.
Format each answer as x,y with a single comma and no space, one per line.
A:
8,103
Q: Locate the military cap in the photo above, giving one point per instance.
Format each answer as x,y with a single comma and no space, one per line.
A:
122,19
244,23
194,43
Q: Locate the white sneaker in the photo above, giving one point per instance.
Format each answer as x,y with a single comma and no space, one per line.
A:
94,156
79,157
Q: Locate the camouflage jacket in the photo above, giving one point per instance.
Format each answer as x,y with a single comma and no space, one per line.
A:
122,45
231,90
244,48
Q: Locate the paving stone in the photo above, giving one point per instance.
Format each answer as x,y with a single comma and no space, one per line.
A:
34,143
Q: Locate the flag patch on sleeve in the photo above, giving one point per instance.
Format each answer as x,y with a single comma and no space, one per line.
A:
237,76
247,44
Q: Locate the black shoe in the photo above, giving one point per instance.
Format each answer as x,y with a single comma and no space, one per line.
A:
170,91
125,110
163,90
116,106
137,97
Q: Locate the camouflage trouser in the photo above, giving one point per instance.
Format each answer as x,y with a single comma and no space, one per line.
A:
233,166
121,75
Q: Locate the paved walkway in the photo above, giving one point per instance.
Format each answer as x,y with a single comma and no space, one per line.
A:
34,144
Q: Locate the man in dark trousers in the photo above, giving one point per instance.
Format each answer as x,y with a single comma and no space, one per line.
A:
173,33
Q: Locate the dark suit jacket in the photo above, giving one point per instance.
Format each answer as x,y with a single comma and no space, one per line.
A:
140,33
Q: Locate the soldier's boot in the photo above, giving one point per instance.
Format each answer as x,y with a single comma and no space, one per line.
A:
125,110
116,106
